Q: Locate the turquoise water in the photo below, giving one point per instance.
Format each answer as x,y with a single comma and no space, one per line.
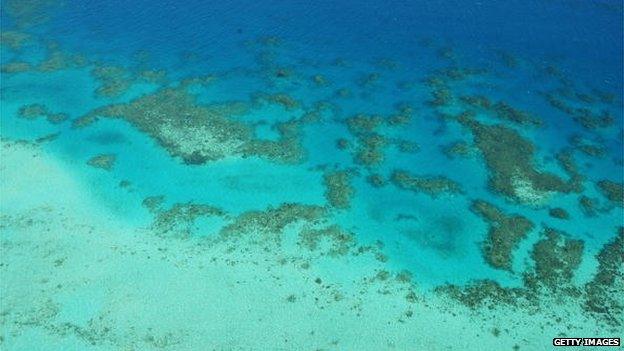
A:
310,176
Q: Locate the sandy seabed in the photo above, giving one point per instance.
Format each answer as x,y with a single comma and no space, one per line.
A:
76,278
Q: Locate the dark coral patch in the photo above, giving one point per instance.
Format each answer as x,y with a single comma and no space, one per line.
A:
504,234
509,158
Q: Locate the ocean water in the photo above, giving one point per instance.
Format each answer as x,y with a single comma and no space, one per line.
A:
328,175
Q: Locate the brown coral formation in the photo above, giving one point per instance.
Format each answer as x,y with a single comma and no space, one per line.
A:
509,158
502,110
484,293
282,99
587,147
556,258
459,149
16,67
368,80
559,213
584,116
34,111
371,144
504,234
613,191
30,13
13,39
566,161
342,144
589,205
339,190
104,161
114,80
340,242
408,146
376,180
54,61
201,133
287,149
320,80
180,218
603,292
270,223
441,94
195,133
403,115
430,185
153,203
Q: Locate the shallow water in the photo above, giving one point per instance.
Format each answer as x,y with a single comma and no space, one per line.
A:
298,176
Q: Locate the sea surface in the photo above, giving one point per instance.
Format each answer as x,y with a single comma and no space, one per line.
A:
310,175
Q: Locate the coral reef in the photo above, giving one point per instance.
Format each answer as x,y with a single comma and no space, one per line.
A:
504,234
407,146
34,111
13,39
201,133
342,143
502,110
403,115
614,192
114,80
16,67
195,133
559,213
556,258
371,144
104,161
343,93
30,13
282,99
270,223
370,153
584,116
603,292
430,185
376,180
588,205
339,190
153,203
287,149
459,149
341,242
566,161
178,220
588,148
368,80
509,158
441,96
484,293
320,80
